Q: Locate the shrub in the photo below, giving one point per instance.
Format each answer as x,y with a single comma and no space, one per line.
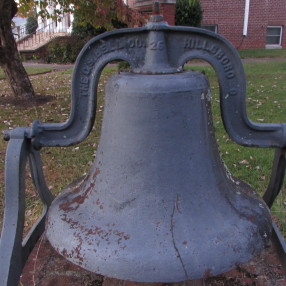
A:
31,25
188,13
64,51
86,30
123,66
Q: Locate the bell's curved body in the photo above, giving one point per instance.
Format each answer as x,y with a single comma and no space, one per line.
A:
158,204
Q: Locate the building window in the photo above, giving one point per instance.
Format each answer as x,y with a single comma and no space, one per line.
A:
212,28
273,36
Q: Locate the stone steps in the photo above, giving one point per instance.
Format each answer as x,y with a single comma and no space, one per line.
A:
35,41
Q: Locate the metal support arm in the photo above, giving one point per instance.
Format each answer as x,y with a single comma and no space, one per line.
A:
13,250
273,190
277,177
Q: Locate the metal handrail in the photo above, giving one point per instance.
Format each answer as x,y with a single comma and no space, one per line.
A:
44,34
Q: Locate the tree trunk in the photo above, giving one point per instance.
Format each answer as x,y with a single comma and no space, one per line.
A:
9,57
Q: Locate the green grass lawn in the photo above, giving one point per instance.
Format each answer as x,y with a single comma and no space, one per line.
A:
266,102
30,71
263,53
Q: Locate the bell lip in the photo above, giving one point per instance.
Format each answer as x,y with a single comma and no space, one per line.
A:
208,272
255,245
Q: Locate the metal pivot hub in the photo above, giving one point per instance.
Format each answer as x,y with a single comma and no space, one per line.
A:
158,204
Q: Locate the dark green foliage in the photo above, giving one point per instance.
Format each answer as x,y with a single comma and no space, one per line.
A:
85,30
118,24
66,51
188,13
31,25
123,66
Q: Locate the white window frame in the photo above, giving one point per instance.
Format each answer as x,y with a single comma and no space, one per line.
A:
274,46
204,26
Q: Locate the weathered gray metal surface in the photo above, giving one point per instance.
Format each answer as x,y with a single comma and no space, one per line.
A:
158,204
158,191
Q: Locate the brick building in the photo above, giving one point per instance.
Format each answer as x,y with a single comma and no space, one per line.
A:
247,24
145,6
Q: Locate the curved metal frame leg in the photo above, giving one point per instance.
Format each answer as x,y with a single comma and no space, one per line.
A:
273,190
277,177
13,250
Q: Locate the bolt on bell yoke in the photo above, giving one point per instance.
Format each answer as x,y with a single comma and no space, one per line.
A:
158,204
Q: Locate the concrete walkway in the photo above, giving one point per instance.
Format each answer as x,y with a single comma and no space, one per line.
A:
60,67
44,65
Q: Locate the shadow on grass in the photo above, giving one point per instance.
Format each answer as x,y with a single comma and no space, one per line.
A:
37,100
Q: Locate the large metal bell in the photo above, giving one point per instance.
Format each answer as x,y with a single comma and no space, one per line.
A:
159,204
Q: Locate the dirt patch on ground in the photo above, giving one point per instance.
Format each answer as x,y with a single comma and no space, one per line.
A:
38,100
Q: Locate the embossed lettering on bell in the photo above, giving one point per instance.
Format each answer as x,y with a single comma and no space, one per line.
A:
158,204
